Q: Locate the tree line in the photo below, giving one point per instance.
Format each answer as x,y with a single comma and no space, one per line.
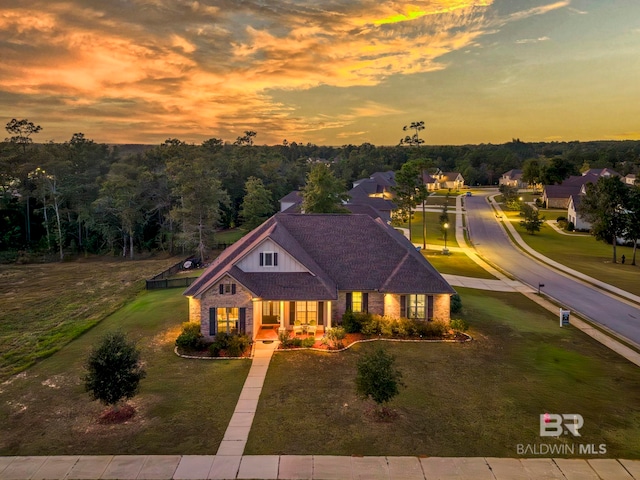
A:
80,196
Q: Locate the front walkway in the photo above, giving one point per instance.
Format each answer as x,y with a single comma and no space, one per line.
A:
312,467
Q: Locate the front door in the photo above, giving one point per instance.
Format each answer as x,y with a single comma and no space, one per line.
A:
270,313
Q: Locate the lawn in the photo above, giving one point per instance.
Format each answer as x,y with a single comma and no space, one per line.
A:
584,254
435,238
476,399
183,408
456,263
44,306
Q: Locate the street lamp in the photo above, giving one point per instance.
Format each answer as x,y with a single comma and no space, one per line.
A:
445,251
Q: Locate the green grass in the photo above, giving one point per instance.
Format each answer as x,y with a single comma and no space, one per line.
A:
183,408
44,306
230,236
456,263
584,254
476,399
435,238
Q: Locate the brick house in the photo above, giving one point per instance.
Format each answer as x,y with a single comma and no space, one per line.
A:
310,269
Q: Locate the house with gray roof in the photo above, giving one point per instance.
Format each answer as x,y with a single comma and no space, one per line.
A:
310,269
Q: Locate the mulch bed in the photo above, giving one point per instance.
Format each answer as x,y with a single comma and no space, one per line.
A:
111,416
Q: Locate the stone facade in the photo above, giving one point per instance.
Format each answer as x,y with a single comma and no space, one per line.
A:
213,299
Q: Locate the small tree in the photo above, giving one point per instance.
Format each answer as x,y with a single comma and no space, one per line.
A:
377,377
113,370
532,220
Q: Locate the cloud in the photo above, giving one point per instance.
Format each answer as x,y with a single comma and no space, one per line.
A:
532,40
195,68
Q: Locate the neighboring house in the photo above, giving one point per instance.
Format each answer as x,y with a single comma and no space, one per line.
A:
601,172
431,182
573,216
376,192
630,179
451,180
557,196
512,178
291,201
313,268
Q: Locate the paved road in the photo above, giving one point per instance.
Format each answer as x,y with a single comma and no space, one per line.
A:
492,243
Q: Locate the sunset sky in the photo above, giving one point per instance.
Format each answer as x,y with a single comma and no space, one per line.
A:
327,72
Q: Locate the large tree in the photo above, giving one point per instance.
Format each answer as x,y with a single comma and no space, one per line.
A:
604,206
21,131
323,192
409,191
257,205
200,195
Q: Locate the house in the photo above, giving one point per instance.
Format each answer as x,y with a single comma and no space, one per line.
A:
451,180
512,178
376,192
291,201
431,182
601,172
311,269
557,196
573,216
630,179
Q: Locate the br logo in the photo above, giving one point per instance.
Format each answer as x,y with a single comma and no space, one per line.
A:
554,425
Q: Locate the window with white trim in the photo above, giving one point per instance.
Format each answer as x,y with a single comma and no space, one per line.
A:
268,259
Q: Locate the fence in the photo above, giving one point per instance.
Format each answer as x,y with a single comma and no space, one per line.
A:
170,283
163,280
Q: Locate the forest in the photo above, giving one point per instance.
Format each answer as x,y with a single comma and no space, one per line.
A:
59,200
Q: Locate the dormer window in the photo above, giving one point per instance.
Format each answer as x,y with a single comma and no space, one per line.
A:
268,259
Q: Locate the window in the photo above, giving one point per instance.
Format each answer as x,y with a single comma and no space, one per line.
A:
416,306
270,312
227,318
419,307
307,311
227,288
269,259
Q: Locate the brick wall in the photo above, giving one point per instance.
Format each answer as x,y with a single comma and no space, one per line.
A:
212,299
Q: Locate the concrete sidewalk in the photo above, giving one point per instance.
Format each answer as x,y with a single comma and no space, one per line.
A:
185,467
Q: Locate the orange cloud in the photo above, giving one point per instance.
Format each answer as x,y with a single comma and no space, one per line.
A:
175,67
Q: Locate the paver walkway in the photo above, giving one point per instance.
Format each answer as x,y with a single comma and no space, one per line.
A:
187,467
235,438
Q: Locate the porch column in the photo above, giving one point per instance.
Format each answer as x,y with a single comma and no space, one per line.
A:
281,308
328,315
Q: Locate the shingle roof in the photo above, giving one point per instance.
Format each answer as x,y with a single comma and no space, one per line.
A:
342,252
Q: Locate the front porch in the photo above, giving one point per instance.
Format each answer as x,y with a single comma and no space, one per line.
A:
298,317
270,333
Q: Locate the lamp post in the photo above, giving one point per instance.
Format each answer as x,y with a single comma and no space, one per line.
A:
445,251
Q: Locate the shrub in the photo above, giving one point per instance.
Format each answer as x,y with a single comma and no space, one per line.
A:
561,219
335,336
571,227
283,336
191,337
308,342
372,325
459,325
237,345
424,329
456,303
349,322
